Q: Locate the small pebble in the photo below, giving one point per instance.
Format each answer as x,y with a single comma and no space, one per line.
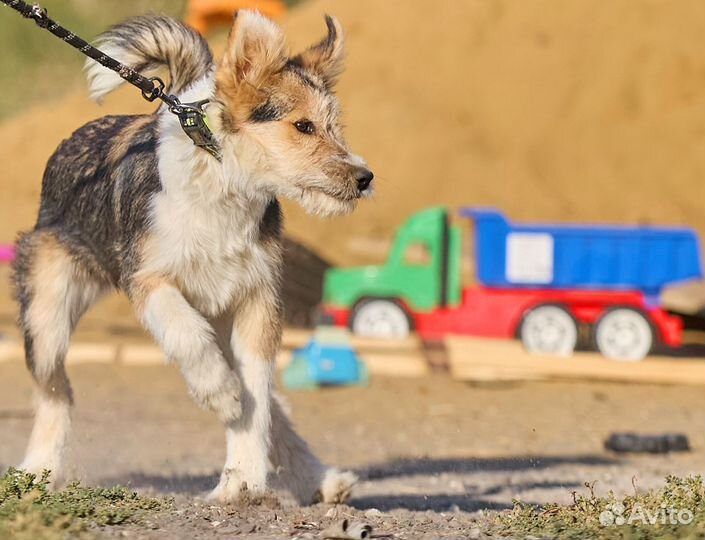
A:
372,512
332,512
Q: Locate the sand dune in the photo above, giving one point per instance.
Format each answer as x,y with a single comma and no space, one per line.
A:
550,110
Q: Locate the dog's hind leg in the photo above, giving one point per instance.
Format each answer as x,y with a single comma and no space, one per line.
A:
53,291
297,468
188,339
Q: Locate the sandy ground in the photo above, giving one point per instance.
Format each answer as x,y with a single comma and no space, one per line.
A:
418,446
433,454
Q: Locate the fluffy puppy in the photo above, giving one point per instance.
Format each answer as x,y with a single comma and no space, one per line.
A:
129,203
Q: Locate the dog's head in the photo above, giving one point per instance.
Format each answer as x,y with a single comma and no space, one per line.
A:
279,116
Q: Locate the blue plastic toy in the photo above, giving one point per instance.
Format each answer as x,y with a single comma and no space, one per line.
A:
327,359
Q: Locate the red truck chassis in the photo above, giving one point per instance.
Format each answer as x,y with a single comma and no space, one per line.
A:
498,313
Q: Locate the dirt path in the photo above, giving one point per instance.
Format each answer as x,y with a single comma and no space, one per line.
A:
430,453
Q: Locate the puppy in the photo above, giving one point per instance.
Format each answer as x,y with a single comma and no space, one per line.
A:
129,203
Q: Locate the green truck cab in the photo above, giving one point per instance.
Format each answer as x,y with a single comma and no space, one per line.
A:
422,273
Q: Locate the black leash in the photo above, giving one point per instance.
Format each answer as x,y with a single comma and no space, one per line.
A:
191,116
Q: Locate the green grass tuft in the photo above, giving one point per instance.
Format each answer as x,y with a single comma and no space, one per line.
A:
647,515
29,509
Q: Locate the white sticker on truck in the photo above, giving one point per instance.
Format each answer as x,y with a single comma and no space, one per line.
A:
529,258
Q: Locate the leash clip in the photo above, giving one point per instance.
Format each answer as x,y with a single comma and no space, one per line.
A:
157,90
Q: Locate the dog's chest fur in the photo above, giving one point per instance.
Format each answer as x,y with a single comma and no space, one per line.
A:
216,245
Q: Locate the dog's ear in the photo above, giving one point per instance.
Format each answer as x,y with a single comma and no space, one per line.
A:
326,57
256,48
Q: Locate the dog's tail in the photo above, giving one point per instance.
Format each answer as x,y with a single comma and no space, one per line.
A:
145,43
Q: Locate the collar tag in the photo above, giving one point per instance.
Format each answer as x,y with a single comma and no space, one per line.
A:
193,121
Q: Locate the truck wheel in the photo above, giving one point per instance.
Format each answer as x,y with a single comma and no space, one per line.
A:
549,330
377,318
624,334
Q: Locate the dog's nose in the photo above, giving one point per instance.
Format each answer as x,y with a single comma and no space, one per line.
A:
364,179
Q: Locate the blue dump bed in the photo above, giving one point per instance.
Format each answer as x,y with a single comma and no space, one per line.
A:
641,258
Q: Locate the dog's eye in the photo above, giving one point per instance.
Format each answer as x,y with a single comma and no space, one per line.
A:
305,126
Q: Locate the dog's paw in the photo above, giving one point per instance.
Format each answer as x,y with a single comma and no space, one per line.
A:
223,398
233,487
224,493
335,486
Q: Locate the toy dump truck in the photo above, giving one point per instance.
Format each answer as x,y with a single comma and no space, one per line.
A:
539,283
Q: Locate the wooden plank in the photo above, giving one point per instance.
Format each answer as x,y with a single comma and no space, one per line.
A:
385,364
141,355
410,344
91,353
486,359
283,358
294,338
390,364
78,353
11,350
393,358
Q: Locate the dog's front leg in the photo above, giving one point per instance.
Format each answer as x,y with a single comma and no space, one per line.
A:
188,339
256,334
296,468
